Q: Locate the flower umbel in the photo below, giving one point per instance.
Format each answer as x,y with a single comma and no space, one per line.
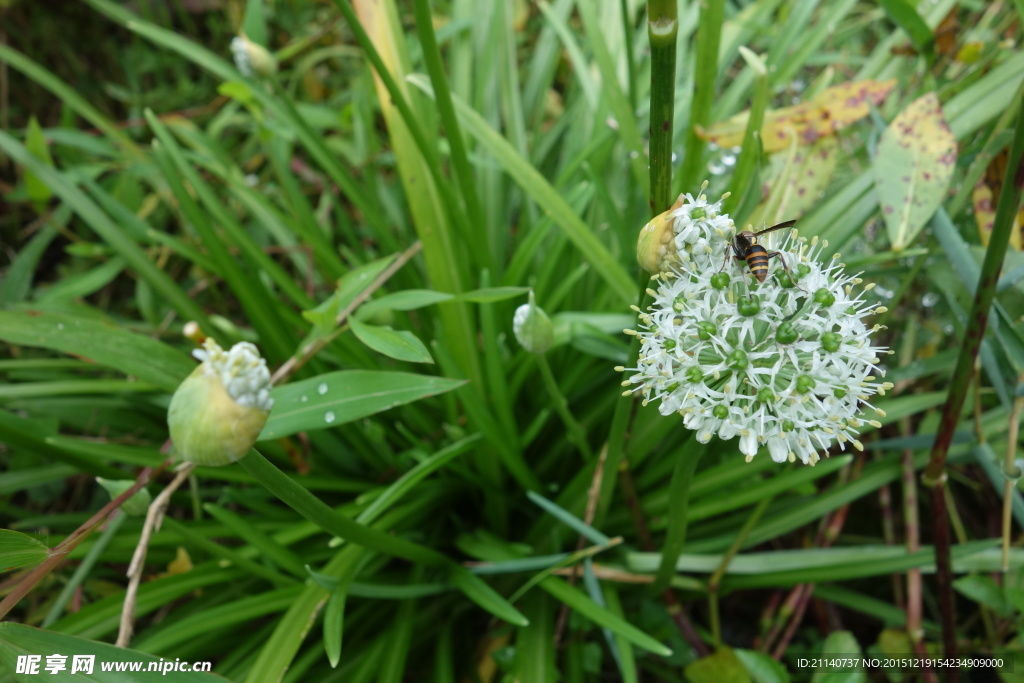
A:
787,364
217,413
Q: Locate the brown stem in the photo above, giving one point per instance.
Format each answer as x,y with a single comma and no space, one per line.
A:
297,361
944,574
74,538
154,516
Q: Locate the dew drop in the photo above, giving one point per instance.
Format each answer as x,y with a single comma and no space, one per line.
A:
60,326
716,167
329,416
303,398
322,388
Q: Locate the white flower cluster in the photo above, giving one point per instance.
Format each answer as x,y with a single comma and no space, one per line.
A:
242,371
787,363
240,53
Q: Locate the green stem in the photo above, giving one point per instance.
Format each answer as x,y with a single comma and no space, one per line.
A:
935,472
679,503
576,434
709,34
662,83
662,31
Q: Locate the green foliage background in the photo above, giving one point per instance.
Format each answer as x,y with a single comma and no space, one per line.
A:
395,229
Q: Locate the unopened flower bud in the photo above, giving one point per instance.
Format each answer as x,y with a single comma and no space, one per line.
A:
533,328
252,58
136,505
218,411
656,246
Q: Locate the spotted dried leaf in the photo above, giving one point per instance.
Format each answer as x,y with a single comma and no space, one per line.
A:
830,111
796,181
913,168
985,215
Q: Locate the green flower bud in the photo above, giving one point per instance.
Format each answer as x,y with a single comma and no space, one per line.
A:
749,307
218,411
136,505
786,333
738,360
720,280
765,395
802,269
252,58
720,411
831,341
784,279
533,328
706,329
804,383
694,374
824,297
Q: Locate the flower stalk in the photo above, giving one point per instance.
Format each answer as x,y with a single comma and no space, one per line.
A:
977,320
662,31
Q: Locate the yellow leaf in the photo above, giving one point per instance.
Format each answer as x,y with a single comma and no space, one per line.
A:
830,111
180,564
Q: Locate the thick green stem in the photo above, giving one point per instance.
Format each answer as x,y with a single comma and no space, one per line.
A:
935,472
662,31
662,82
709,34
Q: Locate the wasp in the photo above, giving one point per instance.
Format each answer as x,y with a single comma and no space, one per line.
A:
745,248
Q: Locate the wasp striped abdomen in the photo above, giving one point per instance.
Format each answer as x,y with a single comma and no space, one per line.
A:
757,259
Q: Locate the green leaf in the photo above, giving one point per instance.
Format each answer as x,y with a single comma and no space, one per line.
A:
397,344
20,550
18,639
602,617
350,286
569,519
111,232
762,668
334,626
545,194
480,592
38,191
492,294
906,17
841,644
722,666
408,300
913,168
149,360
983,590
237,90
254,26
339,397
17,280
